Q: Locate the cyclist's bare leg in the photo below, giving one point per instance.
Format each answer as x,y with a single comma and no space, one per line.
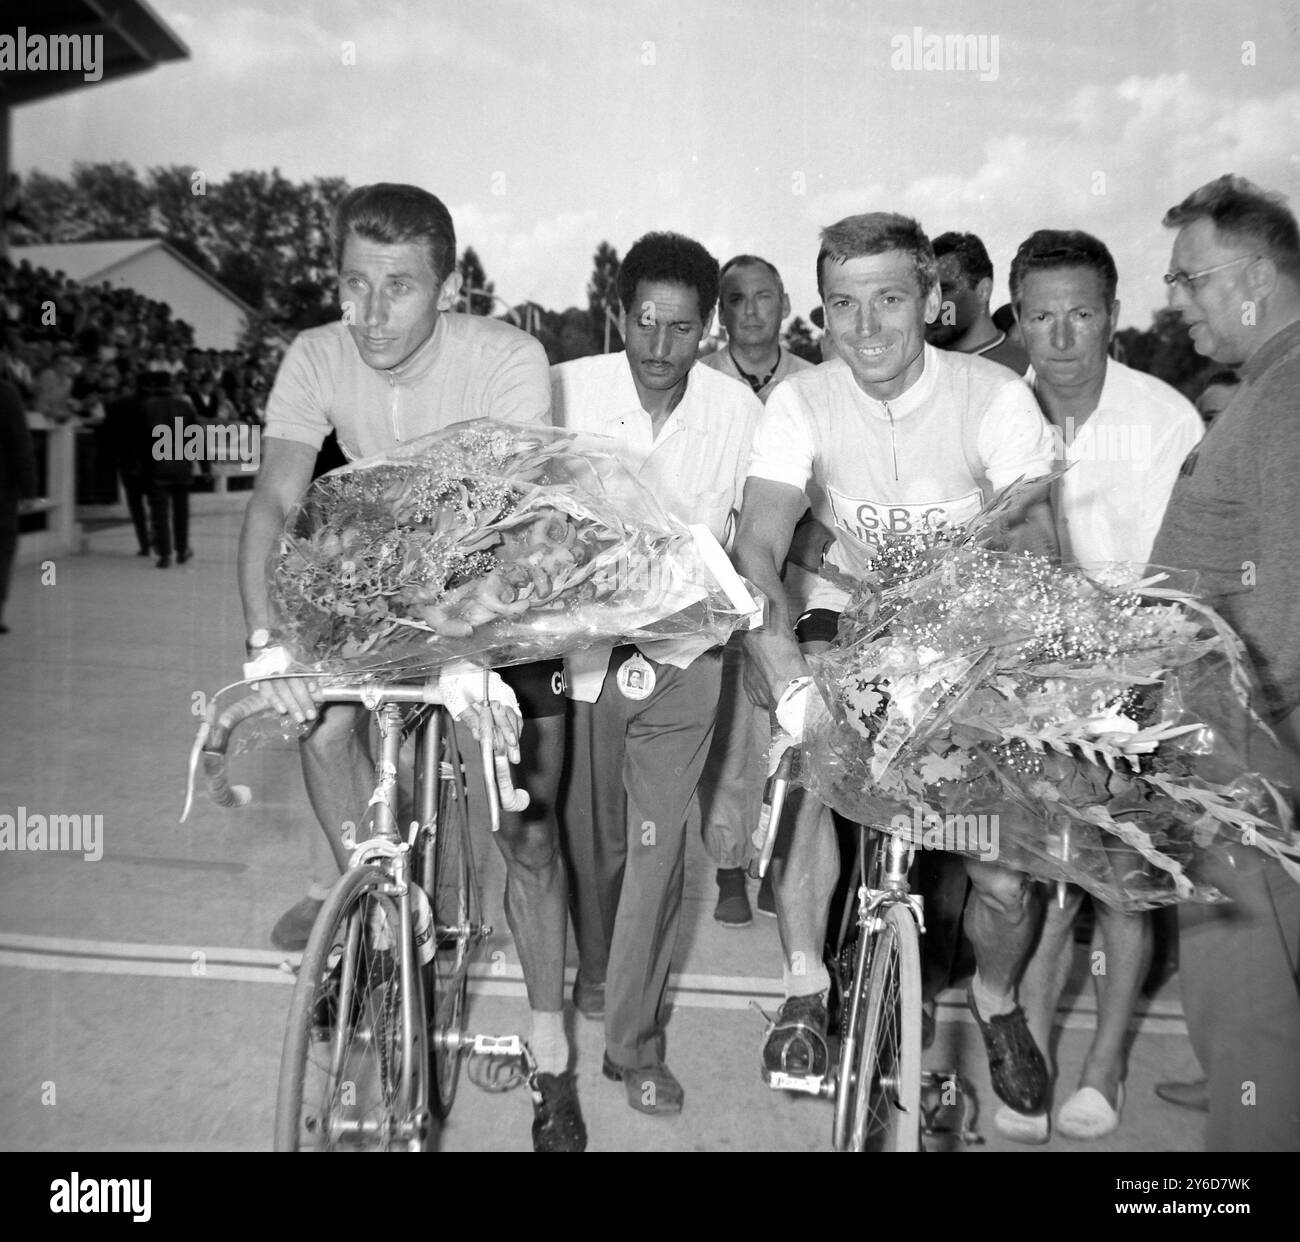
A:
1001,928
536,886
1126,940
804,882
339,772
1048,968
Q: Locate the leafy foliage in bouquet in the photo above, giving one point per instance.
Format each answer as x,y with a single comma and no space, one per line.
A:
1106,725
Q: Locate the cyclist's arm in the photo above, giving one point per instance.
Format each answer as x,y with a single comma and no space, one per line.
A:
284,475
767,520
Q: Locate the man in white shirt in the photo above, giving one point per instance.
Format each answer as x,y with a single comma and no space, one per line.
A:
753,304
643,719
896,436
1124,436
396,367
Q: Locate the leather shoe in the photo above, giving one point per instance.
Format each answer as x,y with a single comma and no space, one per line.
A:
650,1089
290,933
557,1118
1016,1066
732,909
1186,1094
589,998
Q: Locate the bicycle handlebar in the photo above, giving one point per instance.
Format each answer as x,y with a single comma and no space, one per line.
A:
214,738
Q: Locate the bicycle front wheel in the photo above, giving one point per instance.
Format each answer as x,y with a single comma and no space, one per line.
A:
444,866
880,1068
354,1070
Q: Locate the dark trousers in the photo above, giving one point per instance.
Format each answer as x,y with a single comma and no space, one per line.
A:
633,770
169,513
134,488
1241,996
8,550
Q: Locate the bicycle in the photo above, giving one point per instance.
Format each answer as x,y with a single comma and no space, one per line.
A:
376,1032
877,1082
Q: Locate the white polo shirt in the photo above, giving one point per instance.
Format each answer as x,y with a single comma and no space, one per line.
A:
1123,463
924,460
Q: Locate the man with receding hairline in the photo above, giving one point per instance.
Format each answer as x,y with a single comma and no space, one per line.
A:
1233,519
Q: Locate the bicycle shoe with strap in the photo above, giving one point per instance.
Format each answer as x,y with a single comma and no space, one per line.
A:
557,1117
379,968
796,1044
1016,1066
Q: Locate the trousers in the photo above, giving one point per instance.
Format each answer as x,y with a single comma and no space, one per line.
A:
1241,997
633,770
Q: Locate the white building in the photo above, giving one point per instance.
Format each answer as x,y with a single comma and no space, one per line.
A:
152,268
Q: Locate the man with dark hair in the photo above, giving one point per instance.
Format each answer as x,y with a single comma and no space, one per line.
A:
643,719
397,366
1123,436
1217,392
1232,519
893,436
965,286
167,471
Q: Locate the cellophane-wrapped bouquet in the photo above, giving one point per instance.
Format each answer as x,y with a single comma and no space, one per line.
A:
1095,728
491,541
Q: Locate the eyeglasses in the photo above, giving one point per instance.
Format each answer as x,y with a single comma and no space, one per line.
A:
1188,279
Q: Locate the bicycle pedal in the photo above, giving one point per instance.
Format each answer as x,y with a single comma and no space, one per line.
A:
944,1090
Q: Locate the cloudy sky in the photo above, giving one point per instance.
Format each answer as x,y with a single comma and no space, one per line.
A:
547,125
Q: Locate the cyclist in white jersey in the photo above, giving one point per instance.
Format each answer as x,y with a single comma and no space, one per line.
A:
895,436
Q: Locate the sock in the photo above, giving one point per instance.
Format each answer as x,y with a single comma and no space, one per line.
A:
318,891
991,1004
549,1043
807,982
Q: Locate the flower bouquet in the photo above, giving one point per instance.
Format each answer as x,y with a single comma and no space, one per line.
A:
490,541
1095,729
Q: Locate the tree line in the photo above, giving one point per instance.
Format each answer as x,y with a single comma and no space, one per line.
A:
268,240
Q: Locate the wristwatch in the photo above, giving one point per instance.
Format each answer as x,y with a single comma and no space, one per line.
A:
259,640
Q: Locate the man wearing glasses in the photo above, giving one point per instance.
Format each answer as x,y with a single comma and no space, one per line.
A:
1234,518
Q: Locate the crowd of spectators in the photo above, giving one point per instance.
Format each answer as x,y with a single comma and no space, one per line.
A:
71,349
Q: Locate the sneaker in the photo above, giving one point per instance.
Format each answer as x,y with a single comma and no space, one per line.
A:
766,902
732,909
557,1118
796,1043
290,933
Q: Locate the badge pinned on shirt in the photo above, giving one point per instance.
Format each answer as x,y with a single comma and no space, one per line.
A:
635,678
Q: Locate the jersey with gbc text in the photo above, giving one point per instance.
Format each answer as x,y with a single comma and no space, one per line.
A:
922,461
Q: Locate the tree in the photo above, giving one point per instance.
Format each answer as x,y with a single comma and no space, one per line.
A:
1165,350
602,297
476,288
799,341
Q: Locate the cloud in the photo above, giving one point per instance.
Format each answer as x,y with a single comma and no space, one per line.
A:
531,260
1110,161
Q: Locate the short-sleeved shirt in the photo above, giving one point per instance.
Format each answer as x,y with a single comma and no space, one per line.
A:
696,465
1122,465
1235,513
924,460
470,367
787,364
